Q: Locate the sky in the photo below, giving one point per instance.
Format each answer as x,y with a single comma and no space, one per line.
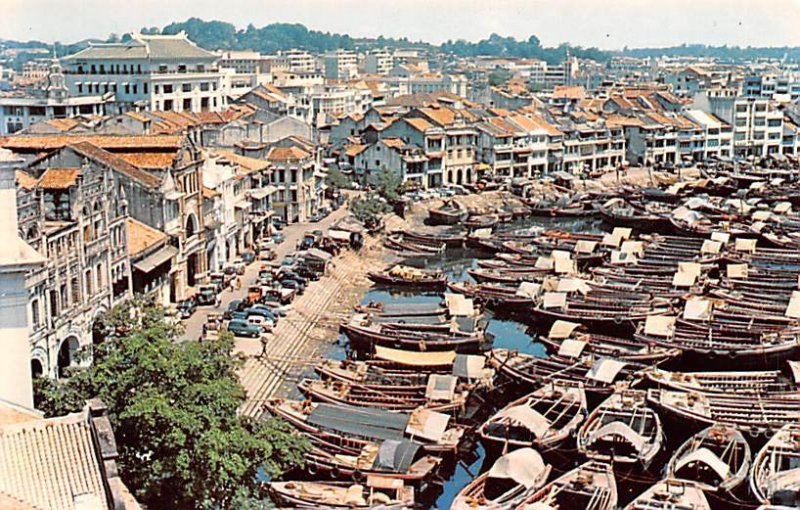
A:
608,24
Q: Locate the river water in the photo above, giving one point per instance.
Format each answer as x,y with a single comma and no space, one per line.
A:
508,333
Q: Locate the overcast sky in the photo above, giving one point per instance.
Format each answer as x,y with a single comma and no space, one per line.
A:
609,24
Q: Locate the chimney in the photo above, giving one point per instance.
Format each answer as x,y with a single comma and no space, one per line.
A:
16,259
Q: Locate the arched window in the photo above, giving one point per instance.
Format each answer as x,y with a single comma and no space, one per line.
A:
191,225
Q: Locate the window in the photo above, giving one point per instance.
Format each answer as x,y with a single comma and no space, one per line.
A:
144,86
204,86
99,272
187,105
80,88
167,88
35,315
53,303
186,87
182,68
89,284
135,88
156,89
377,162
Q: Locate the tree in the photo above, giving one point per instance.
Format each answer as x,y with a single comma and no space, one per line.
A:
336,179
173,408
388,184
368,209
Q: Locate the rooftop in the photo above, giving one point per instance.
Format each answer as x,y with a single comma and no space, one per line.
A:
59,178
146,47
141,236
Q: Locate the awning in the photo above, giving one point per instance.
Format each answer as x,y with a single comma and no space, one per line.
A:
243,204
173,195
154,260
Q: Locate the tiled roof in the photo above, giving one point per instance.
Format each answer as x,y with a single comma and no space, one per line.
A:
419,124
395,143
59,178
26,180
155,47
138,116
114,161
48,464
210,193
62,124
568,92
355,150
109,142
149,159
287,154
142,237
246,163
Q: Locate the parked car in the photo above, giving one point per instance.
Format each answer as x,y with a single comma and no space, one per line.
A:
244,328
307,272
234,306
266,254
280,309
207,295
278,237
221,280
293,284
278,222
248,257
240,266
186,308
265,323
265,311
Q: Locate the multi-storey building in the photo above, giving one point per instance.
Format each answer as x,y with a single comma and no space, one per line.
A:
156,72
514,146
757,124
378,62
407,161
73,213
20,109
297,61
341,65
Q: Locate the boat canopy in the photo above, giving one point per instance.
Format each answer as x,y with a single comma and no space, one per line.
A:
428,358
527,417
605,370
622,430
708,458
524,466
562,329
396,456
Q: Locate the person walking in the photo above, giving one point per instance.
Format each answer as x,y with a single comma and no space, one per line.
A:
263,346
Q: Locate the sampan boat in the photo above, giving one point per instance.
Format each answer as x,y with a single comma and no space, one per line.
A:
590,486
671,494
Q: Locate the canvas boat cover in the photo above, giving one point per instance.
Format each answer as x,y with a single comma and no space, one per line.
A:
441,388
708,458
622,233
554,300
573,285
585,246
605,370
395,309
794,366
610,240
697,309
565,266
428,425
793,309
528,289
737,271
761,215
720,237
660,325
635,247
459,305
562,329
366,422
619,429
396,456
681,279
469,366
692,268
783,207
572,348
414,358
748,245
710,247
527,417
544,263
618,257
524,466
560,255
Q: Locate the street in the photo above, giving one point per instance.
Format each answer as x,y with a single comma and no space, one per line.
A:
193,327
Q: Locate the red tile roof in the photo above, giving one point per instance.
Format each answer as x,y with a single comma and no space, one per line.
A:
59,178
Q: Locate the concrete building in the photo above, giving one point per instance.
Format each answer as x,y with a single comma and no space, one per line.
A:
153,72
406,161
19,109
378,62
296,61
341,65
757,124
17,258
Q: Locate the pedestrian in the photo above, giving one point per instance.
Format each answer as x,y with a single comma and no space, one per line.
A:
263,347
238,283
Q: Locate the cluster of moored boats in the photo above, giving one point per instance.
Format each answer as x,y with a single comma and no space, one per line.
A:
670,342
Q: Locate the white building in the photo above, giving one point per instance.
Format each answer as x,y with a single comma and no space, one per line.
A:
155,72
757,125
378,62
20,109
341,65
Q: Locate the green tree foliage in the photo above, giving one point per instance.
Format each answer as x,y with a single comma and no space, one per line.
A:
369,208
173,407
388,184
336,179
497,45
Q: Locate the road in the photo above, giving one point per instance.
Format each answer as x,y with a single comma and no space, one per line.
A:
193,327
